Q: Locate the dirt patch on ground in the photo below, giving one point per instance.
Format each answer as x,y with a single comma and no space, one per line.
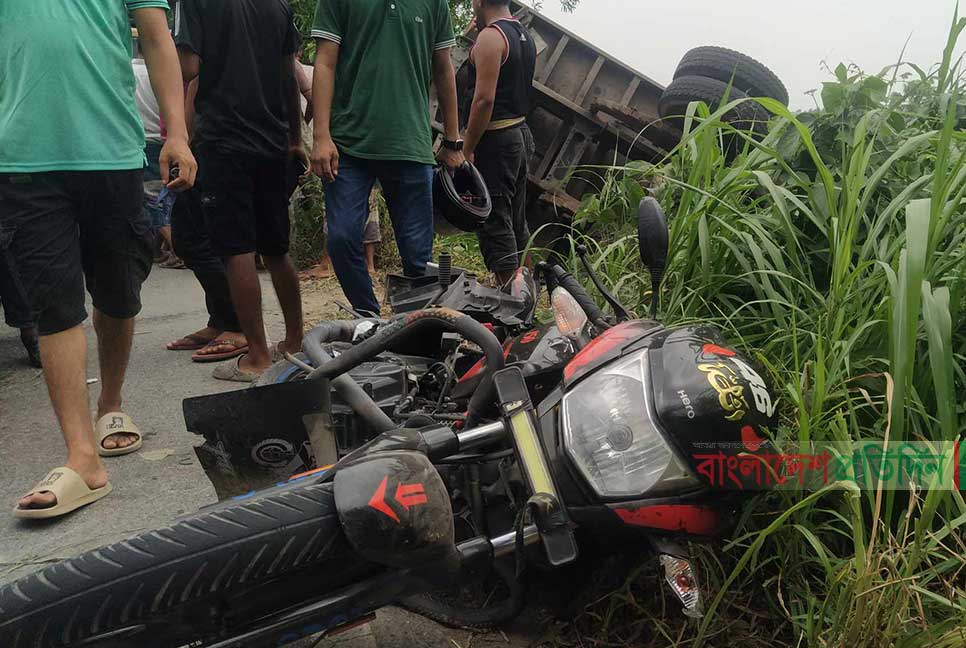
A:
321,297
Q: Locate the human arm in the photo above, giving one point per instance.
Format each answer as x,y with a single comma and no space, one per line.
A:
445,78
487,57
190,64
161,59
305,87
189,107
325,155
290,65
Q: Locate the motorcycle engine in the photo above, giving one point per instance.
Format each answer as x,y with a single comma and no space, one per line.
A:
387,383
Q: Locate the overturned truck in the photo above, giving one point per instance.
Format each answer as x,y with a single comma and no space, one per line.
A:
589,109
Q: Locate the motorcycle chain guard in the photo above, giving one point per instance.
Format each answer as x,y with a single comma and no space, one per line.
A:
395,509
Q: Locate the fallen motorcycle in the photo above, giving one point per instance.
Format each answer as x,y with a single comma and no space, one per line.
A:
484,455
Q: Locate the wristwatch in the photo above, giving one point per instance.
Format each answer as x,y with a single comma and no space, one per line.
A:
453,145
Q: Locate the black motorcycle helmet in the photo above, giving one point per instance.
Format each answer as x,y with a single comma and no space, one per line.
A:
461,198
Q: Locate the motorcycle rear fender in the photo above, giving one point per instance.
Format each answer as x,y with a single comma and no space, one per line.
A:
395,509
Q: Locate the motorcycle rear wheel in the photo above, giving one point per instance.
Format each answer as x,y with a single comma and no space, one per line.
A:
203,578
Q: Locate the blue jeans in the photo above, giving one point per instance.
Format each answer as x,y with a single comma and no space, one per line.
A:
408,188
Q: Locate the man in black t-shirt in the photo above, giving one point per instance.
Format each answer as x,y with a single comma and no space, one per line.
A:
497,139
247,138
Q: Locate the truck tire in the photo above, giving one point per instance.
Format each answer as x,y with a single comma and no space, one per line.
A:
202,578
748,115
728,66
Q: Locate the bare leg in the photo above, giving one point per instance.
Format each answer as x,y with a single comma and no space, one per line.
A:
166,236
65,370
114,337
246,293
370,250
286,282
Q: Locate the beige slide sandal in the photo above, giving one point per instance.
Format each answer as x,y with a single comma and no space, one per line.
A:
70,490
116,423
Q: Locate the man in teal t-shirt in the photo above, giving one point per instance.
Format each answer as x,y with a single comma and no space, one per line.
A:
373,67
71,160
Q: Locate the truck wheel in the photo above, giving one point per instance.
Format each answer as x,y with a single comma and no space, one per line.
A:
728,66
749,115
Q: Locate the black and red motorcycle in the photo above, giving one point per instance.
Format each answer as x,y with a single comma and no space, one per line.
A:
465,443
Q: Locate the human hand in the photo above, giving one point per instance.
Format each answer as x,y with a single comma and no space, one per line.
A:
177,154
325,159
451,159
470,156
309,108
296,152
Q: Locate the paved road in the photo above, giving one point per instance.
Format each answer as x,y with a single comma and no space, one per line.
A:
161,481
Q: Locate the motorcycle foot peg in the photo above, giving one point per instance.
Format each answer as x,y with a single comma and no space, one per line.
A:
545,506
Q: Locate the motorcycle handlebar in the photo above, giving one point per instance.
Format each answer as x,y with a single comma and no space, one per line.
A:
411,323
483,435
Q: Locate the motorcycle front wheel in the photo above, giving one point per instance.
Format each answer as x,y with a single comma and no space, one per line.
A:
204,578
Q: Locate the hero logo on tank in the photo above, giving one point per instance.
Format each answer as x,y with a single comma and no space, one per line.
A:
724,379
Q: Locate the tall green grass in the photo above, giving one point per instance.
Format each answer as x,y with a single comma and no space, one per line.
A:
835,249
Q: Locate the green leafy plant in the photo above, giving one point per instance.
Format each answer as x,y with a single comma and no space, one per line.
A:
835,250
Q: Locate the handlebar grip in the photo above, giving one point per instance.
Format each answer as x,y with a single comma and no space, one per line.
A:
567,281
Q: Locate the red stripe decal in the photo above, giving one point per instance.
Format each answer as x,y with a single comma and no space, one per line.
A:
697,520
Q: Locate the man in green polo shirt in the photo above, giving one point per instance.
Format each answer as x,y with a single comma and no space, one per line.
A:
373,66
71,160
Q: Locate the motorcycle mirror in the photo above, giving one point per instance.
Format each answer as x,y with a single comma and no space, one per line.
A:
653,241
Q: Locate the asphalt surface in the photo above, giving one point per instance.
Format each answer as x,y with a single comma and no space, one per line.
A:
164,479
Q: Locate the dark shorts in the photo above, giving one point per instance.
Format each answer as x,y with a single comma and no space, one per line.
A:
13,300
502,157
61,227
245,201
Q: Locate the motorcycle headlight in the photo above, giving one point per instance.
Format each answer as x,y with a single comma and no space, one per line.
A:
611,435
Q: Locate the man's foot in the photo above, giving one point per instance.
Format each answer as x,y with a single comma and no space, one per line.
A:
173,263
194,341
30,341
118,440
320,271
236,372
226,346
90,470
286,346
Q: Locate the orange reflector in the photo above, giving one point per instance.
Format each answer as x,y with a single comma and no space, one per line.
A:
310,472
345,627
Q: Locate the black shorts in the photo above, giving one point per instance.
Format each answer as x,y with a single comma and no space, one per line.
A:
63,226
502,157
245,201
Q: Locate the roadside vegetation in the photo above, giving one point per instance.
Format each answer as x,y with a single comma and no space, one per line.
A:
835,248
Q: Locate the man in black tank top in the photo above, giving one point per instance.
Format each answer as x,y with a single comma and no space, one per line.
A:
497,139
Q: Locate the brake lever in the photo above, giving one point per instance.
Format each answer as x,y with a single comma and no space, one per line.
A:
620,311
